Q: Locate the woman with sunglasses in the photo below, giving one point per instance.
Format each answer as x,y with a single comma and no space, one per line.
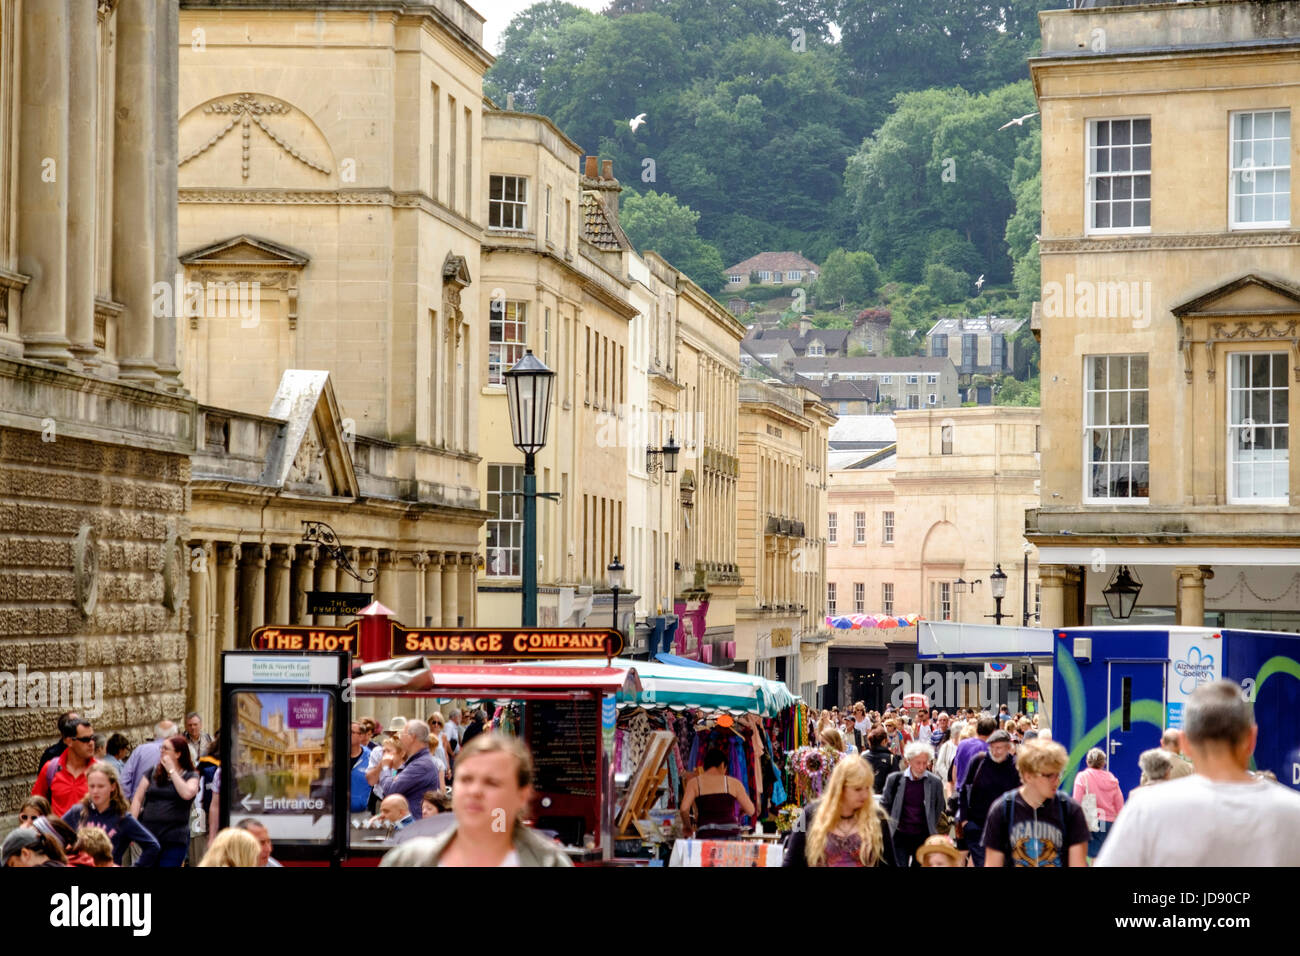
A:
1037,825
105,808
32,808
163,801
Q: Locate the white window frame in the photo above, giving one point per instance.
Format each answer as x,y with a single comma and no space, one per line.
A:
504,352
1088,392
886,527
517,207
913,402
913,379
934,399
886,380
794,276
830,598
833,527
815,351
764,275
734,280
509,518
887,597
859,527
1234,170
1233,364
859,597
945,600
932,380
1091,178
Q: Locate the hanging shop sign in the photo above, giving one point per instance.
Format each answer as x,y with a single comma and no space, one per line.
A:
336,603
511,644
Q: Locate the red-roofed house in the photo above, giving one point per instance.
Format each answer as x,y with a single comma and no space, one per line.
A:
772,268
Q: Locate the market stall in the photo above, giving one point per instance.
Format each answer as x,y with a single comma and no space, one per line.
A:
751,719
558,712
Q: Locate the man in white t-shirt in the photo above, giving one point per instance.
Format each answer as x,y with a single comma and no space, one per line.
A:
1221,815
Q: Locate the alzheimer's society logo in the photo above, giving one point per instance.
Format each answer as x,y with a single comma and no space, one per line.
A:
1195,669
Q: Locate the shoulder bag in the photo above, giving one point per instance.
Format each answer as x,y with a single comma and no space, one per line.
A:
1089,804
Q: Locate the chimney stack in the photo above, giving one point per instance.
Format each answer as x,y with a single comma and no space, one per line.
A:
599,178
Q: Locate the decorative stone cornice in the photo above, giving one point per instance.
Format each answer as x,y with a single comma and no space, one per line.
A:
1103,245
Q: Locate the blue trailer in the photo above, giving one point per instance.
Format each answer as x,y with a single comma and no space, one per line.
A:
1119,688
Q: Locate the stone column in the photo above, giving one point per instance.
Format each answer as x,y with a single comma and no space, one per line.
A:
433,590
346,582
135,224
1053,578
466,588
304,571
388,588
166,150
419,561
227,586
450,589
326,579
1189,589
202,678
44,177
252,591
83,151
278,607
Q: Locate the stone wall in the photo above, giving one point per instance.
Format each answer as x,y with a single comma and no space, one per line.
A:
133,503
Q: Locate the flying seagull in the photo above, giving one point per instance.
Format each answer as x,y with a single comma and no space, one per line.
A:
638,122
1019,121
979,282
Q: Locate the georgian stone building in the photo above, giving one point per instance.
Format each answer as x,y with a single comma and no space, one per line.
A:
331,213
1169,312
95,426
556,282
780,617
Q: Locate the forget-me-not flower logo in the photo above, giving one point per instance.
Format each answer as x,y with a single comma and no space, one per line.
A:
1197,669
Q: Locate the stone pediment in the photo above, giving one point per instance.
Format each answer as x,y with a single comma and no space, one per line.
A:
311,454
246,251
1250,295
1252,308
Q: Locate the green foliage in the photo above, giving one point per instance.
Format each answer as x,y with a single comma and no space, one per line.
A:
848,278
658,222
1017,393
947,284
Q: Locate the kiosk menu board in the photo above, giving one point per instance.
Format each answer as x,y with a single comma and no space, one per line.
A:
284,753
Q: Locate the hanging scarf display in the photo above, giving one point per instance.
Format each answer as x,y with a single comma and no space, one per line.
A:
812,768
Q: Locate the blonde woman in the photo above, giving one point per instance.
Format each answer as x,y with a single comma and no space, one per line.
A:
831,739
846,827
232,847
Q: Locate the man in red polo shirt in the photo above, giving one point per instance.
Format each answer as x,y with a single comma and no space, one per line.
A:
65,784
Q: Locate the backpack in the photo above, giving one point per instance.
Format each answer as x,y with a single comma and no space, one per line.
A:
49,771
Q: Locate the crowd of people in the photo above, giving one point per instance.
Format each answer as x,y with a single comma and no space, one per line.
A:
99,801
983,789
921,789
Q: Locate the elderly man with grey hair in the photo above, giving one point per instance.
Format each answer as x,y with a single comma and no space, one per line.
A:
418,772
1171,743
914,800
1157,766
1221,815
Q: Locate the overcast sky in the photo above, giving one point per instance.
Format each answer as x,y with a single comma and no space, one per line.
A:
499,13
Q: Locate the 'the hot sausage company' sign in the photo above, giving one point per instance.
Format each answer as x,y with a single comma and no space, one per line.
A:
305,638
513,644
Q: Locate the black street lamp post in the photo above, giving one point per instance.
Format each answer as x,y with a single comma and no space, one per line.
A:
998,587
615,572
528,389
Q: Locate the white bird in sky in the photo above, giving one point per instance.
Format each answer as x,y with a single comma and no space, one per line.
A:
979,282
1019,121
637,122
